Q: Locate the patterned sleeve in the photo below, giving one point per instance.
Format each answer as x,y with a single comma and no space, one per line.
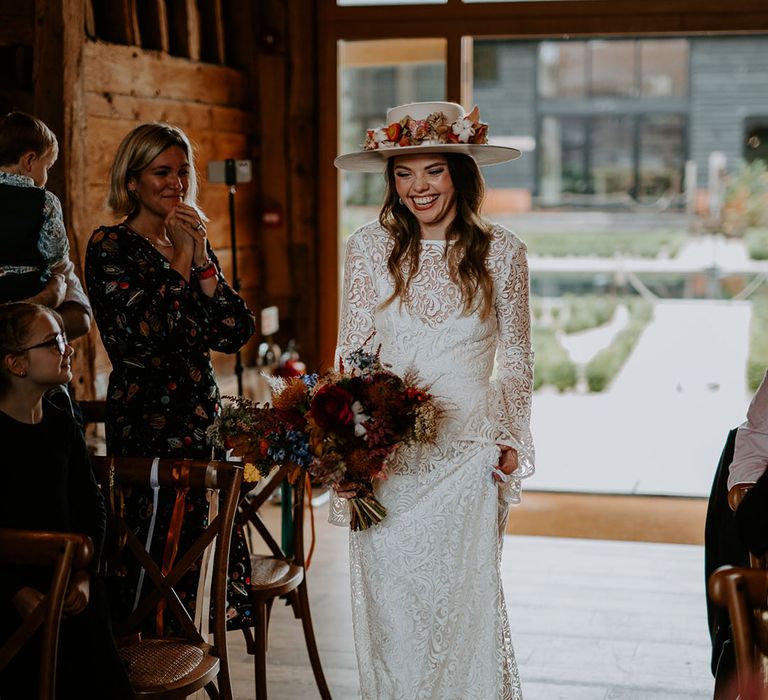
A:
358,303
358,299
52,242
514,362
228,322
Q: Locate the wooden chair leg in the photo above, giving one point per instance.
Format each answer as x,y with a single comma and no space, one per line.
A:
213,692
309,638
260,657
250,644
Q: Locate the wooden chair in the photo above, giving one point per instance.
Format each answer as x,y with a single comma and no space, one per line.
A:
64,553
93,411
168,667
279,575
744,592
735,497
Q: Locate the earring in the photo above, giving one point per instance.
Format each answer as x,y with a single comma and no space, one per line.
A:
400,201
22,374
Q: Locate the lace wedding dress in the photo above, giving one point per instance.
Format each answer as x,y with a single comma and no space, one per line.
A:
428,606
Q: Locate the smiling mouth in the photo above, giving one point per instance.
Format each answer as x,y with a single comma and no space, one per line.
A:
424,201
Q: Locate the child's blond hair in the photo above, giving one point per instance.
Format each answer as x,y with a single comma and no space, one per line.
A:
21,133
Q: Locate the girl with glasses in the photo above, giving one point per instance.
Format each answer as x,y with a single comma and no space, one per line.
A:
49,486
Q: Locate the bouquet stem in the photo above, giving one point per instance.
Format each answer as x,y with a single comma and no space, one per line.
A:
365,510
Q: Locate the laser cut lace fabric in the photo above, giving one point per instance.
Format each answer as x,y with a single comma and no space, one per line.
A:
428,606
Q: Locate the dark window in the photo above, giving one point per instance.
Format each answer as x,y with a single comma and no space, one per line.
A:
756,139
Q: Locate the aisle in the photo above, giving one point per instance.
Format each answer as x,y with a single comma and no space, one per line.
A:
591,620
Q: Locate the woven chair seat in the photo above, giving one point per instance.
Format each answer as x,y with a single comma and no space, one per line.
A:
162,662
271,573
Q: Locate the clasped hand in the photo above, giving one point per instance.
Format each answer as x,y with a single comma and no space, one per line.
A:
188,233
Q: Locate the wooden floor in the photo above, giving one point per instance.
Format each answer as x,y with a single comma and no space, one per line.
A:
591,620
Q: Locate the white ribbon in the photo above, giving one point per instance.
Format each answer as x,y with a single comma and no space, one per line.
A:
154,482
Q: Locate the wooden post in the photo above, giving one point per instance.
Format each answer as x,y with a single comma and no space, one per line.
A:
302,111
59,101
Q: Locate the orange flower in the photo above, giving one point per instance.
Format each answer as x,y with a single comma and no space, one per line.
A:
294,393
394,131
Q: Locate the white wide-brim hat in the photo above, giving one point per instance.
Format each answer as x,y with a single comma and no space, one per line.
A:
426,127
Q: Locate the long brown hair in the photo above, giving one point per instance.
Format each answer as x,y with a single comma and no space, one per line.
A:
471,236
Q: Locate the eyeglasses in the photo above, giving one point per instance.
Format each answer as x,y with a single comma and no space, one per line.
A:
59,341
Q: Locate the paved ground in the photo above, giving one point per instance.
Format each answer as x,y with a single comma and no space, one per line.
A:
660,427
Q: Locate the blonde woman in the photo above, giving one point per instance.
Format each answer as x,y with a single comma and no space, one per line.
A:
162,305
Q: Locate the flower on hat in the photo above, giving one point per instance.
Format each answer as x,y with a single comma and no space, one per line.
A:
464,129
434,129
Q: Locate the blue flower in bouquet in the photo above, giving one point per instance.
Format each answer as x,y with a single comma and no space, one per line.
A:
310,380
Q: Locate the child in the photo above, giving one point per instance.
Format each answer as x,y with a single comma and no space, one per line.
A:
34,250
48,485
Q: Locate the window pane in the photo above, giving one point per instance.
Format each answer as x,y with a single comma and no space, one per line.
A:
562,163
756,139
562,69
613,68
664,68
612,169
374,76
661,157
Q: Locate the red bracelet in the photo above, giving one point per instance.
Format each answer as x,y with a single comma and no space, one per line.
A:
205,272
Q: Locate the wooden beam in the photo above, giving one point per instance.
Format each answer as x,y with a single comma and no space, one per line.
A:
548,18
184,28
303,230
59,102
17,30
118,21
212,47
123,70
153,24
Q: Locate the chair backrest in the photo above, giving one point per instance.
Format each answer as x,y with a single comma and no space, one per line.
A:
113,473
64,553
93,411
744,592
293,520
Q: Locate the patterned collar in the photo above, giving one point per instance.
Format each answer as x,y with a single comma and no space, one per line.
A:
16,180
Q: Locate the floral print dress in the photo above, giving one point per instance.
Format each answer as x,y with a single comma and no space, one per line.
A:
159,330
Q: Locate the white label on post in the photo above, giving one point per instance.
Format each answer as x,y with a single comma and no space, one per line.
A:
270,320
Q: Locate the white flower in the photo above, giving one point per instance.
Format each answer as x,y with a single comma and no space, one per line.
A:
463,129
360,418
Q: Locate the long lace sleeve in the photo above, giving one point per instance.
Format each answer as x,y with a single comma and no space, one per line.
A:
358,304
358,299
514,362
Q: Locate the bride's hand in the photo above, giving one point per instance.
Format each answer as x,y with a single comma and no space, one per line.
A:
346,489
508,462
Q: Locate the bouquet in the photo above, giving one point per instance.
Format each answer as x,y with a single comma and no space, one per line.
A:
342,427
358,415
259,435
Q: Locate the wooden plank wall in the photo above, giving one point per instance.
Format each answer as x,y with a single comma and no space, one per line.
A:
237,76
124,86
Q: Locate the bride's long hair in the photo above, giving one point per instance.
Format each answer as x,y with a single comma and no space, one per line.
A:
471,237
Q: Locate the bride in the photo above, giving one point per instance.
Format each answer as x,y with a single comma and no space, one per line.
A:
446,294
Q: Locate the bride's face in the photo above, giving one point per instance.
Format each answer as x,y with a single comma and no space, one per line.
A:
423,183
